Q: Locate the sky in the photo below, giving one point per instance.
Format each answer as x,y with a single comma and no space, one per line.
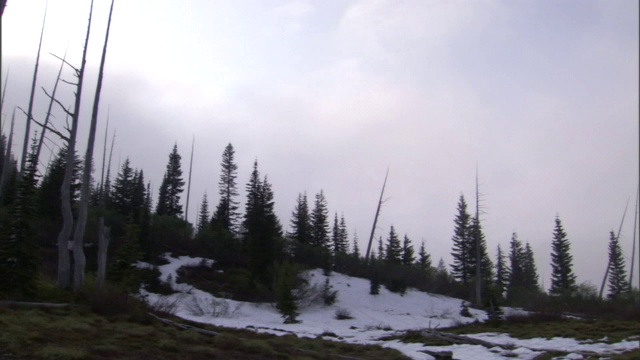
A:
540,98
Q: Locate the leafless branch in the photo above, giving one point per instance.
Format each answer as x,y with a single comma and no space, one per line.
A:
58,102
66,62
65,138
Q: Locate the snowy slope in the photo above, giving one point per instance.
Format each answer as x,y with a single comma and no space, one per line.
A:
374,316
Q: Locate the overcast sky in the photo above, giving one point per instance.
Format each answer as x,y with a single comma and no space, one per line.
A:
540,96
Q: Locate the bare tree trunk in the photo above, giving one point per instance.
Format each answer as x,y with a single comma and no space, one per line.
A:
78,236
64,264
186,212
606,273
46,120
7,157
103,246
633,239
25,146
104,156
477,240
4,91
375,219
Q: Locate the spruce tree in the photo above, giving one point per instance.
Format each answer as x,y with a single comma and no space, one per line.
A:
408,254
171,187
393,250
563,281
381,253
516,259
502,273
122,193
226,214
203,215
355,249
460,269
486,266
618,285
343,236
300,221
424,259
320,222
530,271
18,252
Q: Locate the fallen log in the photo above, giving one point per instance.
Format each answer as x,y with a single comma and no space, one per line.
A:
460,339
185,326
34,304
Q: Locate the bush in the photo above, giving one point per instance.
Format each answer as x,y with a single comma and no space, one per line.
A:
328,296
211,307
343,314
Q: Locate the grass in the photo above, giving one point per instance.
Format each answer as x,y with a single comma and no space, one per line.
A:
82,334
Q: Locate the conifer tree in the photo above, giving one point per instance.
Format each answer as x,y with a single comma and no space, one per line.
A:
262,227
502,273
461,269
18,251
393,250
408,253
49,191
320,222
618,285
343,235
226,214
171,187
122,193
203,215
529,267
339,236
486,266
563,281
424,259
516,259
381,254
139,193
355,249
300,221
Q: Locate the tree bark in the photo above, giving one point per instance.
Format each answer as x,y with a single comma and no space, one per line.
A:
64,264
103,246
78,236
375,219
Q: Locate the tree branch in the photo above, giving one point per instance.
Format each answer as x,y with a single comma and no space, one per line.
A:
65,61
46,127
58,102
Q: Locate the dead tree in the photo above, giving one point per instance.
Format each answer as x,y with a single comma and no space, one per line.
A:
477,240
633,239
78,236
375,219
7,158
46,119
103,231
23,160
186,212
64,264
4,91
606,273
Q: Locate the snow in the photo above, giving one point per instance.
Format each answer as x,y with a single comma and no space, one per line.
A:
374,317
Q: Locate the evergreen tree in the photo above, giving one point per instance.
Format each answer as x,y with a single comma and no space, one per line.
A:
408,254
49,191
563,281
502,274
262,228
171,187
424,259
356,249
530,270
301,221
320,222
343,236
393,250
122,194
226,214
285,280
381,254
486,266
618,284
18,251
203,215
461,269
516,258
145,226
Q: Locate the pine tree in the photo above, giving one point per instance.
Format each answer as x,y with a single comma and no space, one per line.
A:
486,266
203,215
226,214
49,191
381,254
285,279
171,187
355,249
424,259
516,258
461,269
408,254
618,285
320,222
563,281
300,221
502,273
